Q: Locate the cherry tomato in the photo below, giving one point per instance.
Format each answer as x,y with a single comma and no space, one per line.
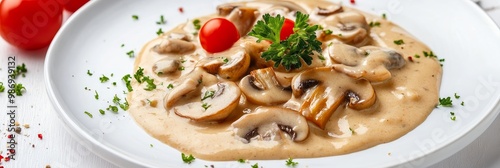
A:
73,5
218,34
29,24
287,29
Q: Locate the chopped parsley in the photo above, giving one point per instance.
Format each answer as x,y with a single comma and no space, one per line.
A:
19,89
453,117
441,60
457,96
375,24
112,108
162,21
103,78
429,54
327,31
150,83
123,45
150,145
114,83
446,102
352,130
124,106
208,94
90,115
384,16
135,17
225,60
116,100
206,106
242,160
290,162
417,56
159,32
131,54
96,96
89,73
126,79
2,88
170,86
256,165
181,68
196,24
102,111
462,103
399,42
139,74
298,46
187,159
20,70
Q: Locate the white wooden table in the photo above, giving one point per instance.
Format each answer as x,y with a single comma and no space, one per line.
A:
59,149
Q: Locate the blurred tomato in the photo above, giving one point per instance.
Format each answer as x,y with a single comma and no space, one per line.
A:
30,24
73,5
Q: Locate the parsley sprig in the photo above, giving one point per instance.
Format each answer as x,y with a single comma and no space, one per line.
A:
289,53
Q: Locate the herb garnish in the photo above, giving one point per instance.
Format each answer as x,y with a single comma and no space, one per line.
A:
446,102
374,24
453,117
102,111
90,115
131,54
290,162
462,103
96,96
181,68
170,86
89,73
327,31
399,42
208,94
103,78
417,56
139,74
18,89
352,130
206,106
429,54
150,83
256,165
112,108
2,88
126,79
135,17
187,159
20,70
196,24
242,160
299,45
162,21
457,96
159,32
384,16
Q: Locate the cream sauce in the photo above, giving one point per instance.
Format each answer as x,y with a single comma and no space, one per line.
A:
403,101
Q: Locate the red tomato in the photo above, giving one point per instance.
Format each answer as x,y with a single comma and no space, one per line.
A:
73,5
218,34
287,29
29,24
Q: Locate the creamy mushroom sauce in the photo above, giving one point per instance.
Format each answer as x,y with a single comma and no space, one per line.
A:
403,99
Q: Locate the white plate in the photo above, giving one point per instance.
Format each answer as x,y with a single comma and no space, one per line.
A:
91,40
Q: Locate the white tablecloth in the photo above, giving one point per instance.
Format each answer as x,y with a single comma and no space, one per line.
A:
59,149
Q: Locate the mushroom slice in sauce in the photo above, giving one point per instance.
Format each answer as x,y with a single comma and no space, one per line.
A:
262,87
370,63
348,27
200,96
318,92
231,64
243,18
271,123
329,10
174,46
166,66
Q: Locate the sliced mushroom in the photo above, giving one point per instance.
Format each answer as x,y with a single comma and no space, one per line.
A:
174,46
262,87
231,64
316,98
370,63
329,10
243,18
271,123
348,27
166,66
200,96
225,9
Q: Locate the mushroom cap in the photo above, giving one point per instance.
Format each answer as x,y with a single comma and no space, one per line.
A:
370,62
316,99
174,46
166,66
243,18
349,27
236,66
225,99
262,87
271,123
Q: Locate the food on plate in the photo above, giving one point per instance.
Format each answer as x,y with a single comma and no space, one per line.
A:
283,79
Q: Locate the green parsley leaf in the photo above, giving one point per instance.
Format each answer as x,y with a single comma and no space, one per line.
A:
170,86
96,96
159,32
457,96
135,17
112,108
352,130
399,42
327,31
384,16
181,68
90,115
2,88
453,117
150,145
187,159
225,60
139,74
375,24
123,45
429,54
126,79
298,46
131,54
446,102
124,106
89,73
162,21
116,100
462,103
196,24
19,89
417,56
206,106
290,162
208,94
242,160
102,111
150,83
103,78
20,70
256,165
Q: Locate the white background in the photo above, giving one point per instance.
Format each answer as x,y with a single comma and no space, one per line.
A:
59,149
